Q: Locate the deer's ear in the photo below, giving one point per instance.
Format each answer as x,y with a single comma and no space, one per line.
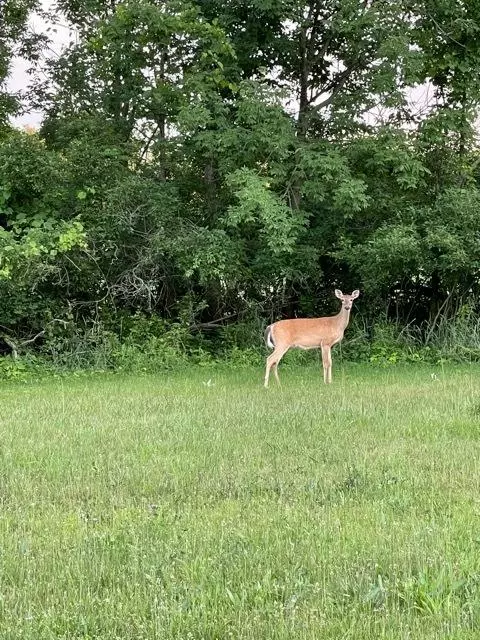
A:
356,293
339,294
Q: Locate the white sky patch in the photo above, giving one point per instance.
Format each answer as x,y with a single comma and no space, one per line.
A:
19,79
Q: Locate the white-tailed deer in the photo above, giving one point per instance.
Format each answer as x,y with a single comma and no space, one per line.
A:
309,333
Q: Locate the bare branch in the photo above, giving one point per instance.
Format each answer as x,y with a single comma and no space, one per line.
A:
12,346
16,346
39,334
213,324
335,85
443,32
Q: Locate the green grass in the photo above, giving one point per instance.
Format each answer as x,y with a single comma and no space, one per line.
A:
163,507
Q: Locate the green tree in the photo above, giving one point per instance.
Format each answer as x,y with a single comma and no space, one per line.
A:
136,64
336,59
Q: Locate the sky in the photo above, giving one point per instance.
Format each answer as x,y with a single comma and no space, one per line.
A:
19,77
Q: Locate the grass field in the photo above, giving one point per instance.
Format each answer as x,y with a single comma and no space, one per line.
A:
164,507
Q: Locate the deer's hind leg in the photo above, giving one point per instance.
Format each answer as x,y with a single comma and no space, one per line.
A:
273,361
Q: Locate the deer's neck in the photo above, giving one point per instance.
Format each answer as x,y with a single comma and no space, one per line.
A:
343,318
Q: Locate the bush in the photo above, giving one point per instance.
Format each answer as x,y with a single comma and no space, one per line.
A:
149,344
139,344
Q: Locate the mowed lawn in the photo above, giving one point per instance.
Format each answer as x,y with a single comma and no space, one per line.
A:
199,505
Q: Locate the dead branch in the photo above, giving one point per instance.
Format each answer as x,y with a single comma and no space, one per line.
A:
16,346
213,324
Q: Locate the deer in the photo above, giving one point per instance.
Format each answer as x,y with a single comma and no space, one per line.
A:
309,333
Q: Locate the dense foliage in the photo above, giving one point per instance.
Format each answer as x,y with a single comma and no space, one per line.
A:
206,166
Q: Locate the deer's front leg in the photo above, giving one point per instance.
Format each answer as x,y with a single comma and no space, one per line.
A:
327,364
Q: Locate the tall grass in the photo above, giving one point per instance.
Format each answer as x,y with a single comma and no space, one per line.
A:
199,505
457,338
447,339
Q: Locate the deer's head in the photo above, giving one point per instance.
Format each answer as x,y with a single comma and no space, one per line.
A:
347,300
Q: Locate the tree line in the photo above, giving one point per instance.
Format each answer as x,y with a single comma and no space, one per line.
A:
218,163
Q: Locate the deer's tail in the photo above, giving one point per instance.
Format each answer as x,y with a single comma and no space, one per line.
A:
269,338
